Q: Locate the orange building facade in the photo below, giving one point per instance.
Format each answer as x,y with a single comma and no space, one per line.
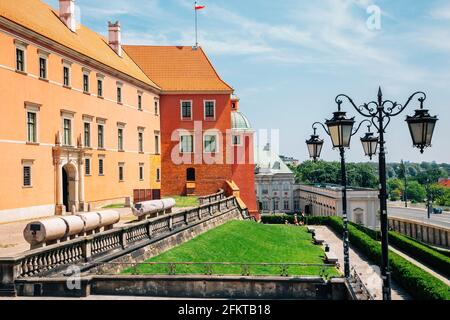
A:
80,125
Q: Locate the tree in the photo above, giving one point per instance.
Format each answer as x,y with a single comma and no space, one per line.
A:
416,191
396,188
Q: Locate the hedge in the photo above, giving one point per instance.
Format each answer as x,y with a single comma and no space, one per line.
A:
417,250
421,252
417,282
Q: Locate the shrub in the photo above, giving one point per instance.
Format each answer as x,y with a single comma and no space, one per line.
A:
421,252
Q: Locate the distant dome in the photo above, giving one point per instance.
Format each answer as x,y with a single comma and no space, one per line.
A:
239,121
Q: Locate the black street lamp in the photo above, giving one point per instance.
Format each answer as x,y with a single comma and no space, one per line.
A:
369,143
340,130
314,146
421,127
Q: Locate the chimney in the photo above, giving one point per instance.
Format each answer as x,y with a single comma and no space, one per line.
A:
67,14
114,37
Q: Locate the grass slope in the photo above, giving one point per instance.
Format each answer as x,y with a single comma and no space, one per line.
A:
245,242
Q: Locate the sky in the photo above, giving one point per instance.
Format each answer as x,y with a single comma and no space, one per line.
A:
287,60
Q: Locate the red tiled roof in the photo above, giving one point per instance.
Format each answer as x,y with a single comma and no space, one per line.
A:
178,69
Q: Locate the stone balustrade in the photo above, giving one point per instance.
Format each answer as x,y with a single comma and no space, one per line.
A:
421,231
212,198
80,251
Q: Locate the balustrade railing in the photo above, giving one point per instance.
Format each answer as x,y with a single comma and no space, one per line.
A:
53,258
212,197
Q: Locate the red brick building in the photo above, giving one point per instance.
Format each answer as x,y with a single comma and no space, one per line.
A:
444,182
205,140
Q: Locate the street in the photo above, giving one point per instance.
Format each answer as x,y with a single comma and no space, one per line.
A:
442,220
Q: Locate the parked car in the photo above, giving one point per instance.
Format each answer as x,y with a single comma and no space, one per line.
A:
437,210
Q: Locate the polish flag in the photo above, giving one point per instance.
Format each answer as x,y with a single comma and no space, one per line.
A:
199,7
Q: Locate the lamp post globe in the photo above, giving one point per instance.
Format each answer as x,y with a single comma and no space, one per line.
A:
421,126
370,144
315,145
340,128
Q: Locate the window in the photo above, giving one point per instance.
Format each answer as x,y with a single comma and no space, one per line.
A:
87,134
120,139
286,186
66,76
209,110
100,87
42,68
119,94
275,205
101,137
20,59
265,206
286,204
156,143
121,172
140,102
141,141
236,140
86,83
186,110
31,127
158,174
27,176
141,172
67,139
100,167
156,108
210,143
190,174
187,144
87,166
296,205
265,190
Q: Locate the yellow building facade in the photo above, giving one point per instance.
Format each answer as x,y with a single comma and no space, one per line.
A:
80,121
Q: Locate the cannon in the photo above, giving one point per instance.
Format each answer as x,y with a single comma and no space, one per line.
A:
51,230
153,208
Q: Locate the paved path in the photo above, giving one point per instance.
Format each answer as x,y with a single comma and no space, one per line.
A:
420,215
368,272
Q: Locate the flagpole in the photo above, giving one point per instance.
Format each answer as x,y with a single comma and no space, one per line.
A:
196,27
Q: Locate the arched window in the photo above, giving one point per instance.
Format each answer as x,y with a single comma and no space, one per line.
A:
359,215
190,174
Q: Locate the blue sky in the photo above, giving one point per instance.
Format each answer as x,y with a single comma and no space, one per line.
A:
287,60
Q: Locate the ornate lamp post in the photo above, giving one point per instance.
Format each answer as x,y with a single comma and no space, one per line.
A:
340,130
421,127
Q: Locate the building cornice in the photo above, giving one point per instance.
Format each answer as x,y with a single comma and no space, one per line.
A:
53,46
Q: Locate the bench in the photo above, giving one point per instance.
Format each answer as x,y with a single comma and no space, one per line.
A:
331,258
310,229
318,241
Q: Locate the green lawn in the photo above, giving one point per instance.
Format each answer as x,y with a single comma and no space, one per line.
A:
244,242
183,202
114,206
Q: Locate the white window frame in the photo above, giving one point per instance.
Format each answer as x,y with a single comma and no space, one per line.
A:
102,158
87,120
87,72
156,107
100,77
27,163
193,142
68,65
43,55
181,110
121,165
31,107
217,142
141,167
21,46
141,130
88,159
67,115
121,125
101,122
119,85
204,110
240,136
